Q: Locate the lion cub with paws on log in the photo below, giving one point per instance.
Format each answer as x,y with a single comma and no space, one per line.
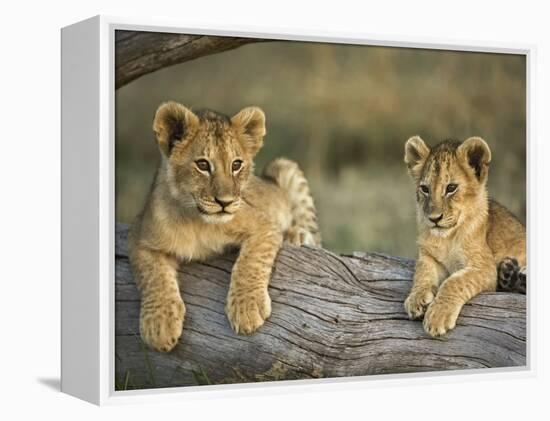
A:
467,243
205,197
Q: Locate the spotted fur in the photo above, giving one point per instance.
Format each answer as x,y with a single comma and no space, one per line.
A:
463,236
205,198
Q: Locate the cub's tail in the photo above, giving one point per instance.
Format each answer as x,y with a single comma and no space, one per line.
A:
304,228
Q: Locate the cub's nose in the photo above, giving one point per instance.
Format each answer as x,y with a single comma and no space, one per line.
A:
224,201
435,219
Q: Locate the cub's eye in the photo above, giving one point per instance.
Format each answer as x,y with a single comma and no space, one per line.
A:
424,189
451,188
203,165
237,164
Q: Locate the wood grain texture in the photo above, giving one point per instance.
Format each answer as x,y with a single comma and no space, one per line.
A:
332,316
138,53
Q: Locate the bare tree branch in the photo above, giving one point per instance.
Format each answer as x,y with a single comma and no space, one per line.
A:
140,53
332,316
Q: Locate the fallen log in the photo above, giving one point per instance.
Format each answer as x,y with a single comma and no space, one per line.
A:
332,316
138,53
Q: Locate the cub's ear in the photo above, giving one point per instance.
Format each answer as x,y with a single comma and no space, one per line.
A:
416,153
172,123
250,126
476,154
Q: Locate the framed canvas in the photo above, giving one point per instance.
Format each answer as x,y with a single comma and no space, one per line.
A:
245,209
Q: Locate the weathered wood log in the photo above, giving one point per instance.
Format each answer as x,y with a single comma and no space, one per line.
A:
332,316
138,53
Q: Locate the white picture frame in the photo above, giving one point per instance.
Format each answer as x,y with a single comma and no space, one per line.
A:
88,221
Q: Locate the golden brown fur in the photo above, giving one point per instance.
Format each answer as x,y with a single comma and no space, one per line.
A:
462,235
205,198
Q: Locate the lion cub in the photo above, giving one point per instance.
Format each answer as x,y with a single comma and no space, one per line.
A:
463,237
205,197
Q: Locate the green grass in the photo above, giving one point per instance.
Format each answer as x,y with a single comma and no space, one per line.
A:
201,377
124,383
344,113
124,380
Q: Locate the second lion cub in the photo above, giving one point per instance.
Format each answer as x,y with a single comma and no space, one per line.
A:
464,238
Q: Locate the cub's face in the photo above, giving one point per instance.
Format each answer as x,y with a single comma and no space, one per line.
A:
208,157
450,181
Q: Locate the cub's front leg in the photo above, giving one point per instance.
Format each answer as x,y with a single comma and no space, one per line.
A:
248,303
427,276
454,292
162,309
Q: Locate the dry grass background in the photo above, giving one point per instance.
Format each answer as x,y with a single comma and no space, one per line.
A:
343,112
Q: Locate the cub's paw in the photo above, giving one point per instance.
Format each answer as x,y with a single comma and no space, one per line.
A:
247,309
161,322
508,274
440,318
418,300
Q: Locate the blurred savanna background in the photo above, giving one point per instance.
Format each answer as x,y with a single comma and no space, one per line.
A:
343,112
